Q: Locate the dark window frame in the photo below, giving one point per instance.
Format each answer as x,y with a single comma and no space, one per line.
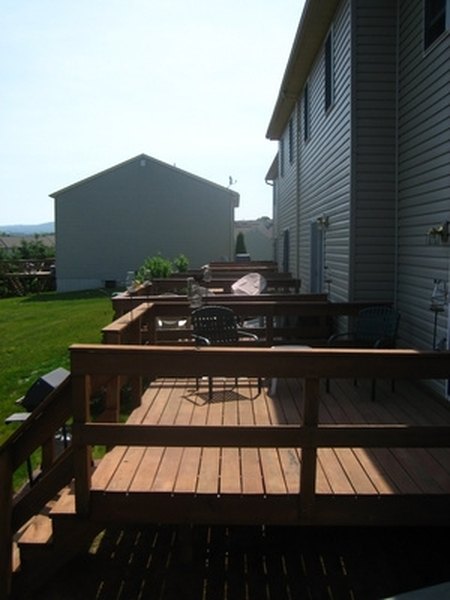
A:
436,20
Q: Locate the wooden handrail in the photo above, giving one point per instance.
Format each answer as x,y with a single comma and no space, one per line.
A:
123,303
187,361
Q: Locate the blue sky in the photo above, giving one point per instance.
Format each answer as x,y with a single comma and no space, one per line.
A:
87,84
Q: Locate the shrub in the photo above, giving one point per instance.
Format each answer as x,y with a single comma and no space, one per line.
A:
154,266
240,244
181,263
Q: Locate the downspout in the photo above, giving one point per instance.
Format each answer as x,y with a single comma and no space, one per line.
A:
353,188
396,159
275,234
297,186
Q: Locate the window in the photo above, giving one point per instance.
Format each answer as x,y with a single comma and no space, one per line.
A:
291,140
436,19
329,71
306,125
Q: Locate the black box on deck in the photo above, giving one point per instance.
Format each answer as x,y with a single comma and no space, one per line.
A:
42,387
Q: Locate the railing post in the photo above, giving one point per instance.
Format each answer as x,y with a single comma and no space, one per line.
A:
81,391
309,453
6,491
151,324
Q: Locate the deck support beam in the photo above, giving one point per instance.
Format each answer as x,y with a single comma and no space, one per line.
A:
309,454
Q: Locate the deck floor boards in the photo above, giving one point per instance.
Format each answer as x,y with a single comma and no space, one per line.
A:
275,472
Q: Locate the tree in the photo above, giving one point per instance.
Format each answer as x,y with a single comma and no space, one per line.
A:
240,244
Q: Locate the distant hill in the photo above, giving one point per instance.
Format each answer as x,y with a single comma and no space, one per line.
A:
27,229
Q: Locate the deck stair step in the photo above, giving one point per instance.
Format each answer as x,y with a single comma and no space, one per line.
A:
48,541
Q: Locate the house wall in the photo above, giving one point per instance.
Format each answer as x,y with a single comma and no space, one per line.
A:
374,155
286,201
325,168
377,164
107,225
318,180
423,173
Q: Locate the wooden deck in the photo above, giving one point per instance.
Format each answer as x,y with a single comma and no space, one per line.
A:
248,485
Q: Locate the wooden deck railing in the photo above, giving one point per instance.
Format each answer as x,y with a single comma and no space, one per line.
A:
38,431
310,364
312,318
111,364
179,284
123,303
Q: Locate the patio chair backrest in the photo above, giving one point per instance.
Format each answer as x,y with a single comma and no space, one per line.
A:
217,324
377,325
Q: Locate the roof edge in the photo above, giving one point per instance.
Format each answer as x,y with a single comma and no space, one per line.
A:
314,24
155,160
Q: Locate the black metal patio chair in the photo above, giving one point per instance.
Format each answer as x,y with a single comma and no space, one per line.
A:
218,326
375,327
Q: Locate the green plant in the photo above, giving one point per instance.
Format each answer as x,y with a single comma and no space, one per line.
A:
240,244
181,263
154,267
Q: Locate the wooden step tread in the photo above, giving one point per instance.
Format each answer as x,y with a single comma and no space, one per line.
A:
64,505
37,531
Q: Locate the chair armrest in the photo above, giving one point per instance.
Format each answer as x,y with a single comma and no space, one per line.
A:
245,333
348,334
201,339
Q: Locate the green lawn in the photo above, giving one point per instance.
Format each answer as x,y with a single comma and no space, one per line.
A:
36,332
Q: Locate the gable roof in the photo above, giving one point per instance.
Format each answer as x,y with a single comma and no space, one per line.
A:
313,27
146,157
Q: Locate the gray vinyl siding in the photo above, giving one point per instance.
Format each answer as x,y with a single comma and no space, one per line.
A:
324,167
286,217
374,225
110,223
423,175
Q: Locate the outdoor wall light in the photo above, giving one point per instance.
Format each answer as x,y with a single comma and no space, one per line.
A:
323,221
439,233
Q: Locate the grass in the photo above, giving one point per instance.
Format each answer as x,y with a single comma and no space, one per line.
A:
36,333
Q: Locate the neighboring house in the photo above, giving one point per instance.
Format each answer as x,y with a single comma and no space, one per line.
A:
362,175
258,237
108,224
9,242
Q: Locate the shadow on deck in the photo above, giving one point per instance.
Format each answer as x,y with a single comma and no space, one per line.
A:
254,563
